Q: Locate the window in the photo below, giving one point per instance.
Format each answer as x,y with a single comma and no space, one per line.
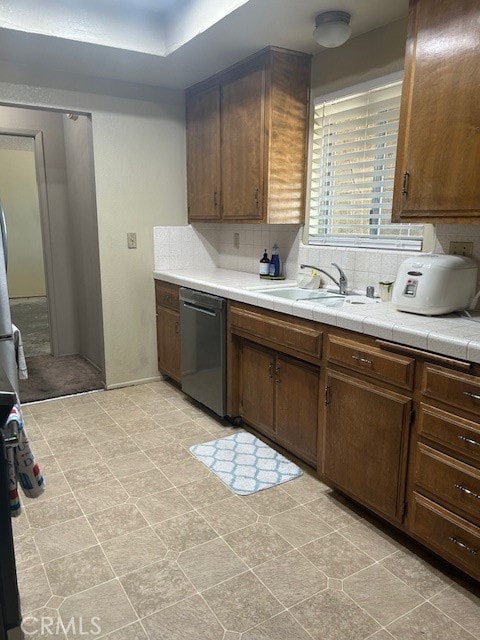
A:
353,164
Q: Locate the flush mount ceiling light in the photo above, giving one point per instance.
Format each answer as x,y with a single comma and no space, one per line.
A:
332,28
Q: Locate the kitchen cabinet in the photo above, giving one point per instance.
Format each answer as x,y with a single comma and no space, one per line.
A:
445,465
247,140
168,329
367,423
274,377
438,152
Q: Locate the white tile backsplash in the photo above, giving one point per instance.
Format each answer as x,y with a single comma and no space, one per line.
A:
212,245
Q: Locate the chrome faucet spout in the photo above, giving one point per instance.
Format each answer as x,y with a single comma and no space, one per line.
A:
341,282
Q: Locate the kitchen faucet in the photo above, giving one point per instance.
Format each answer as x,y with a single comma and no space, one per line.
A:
341,282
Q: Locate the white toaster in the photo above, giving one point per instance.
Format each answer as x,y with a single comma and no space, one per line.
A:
431,284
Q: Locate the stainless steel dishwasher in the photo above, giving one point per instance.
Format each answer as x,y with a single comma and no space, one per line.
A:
203,348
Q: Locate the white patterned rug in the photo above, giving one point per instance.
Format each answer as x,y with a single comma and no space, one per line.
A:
245,463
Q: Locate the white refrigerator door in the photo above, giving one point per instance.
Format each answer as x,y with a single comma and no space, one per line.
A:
5,318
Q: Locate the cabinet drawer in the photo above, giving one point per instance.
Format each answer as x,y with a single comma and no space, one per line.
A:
371,361
458,434
454,538
167,295
281,332
457,389
450,481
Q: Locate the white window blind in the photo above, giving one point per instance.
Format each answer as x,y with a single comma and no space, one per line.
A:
353,164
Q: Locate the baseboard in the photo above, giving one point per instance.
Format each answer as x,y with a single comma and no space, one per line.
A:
131,383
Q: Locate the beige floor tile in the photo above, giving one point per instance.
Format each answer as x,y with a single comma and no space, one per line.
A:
131,632
145,483
291,578
64,538
170,418
241,602
305,488
78,571
370,539
101,422
168,454
257,543
41,449
299,526
428,623
381,635
420,575
98,496
106,603
115,448
156,586
210,563
336,510
33,588
185,531
461,605
48,465
26,552
158,507
229,515
49,512
335,556
134,550
55,485
50,417
155,437
331,615
130,464
205,491
188,429
270,502
119,413
281,627
105,434
66,427
185,472
87,398
116,521
191,619
43,623
88,475
82,411
384,596
68,442
78,458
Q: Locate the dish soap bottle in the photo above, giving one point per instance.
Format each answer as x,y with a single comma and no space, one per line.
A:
264,265
275,267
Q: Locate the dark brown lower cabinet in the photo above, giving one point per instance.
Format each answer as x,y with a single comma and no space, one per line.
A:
168,342
365,446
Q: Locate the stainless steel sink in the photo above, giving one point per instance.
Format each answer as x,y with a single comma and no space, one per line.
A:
296,293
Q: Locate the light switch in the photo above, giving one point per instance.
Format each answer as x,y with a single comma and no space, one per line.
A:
132,240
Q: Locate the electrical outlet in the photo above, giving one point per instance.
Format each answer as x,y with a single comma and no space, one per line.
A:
132,240
461,249
236,240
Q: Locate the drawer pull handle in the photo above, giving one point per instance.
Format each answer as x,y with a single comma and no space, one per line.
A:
468,440
463,545
469,394
365,361
469,492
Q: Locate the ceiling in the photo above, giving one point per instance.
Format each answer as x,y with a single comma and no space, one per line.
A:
167,43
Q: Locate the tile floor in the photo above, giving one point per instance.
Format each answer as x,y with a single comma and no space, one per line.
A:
136,536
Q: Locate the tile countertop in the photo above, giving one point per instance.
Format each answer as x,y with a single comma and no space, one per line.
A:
449,335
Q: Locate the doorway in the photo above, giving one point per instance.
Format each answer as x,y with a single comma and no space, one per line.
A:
54,272
26,267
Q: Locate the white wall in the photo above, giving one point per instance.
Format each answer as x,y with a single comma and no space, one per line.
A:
19,195
139,152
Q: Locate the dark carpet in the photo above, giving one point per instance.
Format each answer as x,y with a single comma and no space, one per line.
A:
50,377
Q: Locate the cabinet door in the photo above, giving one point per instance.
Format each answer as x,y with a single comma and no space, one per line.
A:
366,431
439,138
296,402
168,342
203,154
243,106
256,386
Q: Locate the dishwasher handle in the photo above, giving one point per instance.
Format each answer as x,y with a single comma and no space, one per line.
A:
194,307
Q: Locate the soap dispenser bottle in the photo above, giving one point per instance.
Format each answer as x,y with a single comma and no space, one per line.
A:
264,265
275,267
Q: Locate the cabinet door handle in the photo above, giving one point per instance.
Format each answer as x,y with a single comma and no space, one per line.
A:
257,201
468,440
270,370
215,199
277,371
463,545
362,360
469,492
327,395
406,178
470,394
177,327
